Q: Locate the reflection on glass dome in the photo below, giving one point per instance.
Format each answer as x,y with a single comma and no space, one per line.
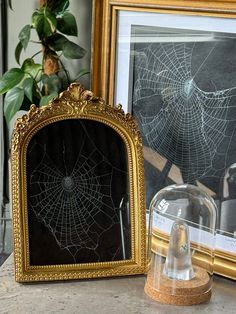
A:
178,264
227,221
181,245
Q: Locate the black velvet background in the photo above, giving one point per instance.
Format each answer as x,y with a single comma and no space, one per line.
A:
67,136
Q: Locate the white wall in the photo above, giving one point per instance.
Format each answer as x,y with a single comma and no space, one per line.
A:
21,16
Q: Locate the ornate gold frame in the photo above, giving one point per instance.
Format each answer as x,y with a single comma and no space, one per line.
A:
104,57
77,103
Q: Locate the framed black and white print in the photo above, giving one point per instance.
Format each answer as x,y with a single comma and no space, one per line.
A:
175,71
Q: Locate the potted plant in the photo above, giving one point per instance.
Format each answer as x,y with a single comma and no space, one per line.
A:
39,83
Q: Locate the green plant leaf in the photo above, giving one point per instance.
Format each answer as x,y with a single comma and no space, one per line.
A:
57,42
45,99
31,68
66,24
82,73
27,85
10,79
51,19
35,17
24,36
52,82
18,51
59,6
73,51
70,50
44,22
13,102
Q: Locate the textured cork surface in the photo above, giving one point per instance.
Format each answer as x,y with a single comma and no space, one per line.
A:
177,299
179,292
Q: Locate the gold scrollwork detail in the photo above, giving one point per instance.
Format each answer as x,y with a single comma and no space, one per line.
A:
75,100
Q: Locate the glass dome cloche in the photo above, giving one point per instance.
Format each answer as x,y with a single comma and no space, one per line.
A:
181,246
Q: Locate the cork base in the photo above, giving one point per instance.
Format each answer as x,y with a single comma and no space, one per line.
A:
179,292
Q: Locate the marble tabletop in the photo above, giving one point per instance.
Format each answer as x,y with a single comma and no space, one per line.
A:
118,295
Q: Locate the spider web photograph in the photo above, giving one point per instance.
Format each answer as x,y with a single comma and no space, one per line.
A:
77,193
184,99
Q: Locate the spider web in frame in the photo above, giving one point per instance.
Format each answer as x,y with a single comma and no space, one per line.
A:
71,194
183,97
